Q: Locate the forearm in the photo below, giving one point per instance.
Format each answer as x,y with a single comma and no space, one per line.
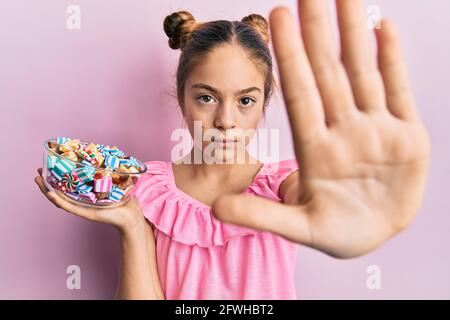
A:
138,277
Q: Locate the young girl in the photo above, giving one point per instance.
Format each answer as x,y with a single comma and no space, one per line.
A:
224,81
350,200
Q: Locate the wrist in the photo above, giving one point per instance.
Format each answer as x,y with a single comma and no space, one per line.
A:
132,228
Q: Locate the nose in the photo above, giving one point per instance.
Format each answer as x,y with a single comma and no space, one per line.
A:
225,117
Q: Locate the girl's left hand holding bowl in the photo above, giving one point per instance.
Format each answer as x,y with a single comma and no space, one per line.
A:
123,218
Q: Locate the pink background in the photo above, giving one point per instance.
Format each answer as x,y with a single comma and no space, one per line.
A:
111,82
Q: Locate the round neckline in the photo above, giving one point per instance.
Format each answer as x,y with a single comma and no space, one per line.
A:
198,202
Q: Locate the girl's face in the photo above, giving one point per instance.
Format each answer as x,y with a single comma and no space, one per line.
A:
225,93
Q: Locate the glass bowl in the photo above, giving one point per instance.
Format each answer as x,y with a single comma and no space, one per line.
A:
86,184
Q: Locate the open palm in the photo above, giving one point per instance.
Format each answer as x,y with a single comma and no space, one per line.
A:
362,149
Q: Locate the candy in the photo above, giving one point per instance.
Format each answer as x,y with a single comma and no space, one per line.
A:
100,147
122,168
87,163
51,161
115,178
116,194
84,188
91,149
61,140
63,166
102,195
114,152
124,183
105,201
133,170
99,158
88,196
56,175
52,180
134,162
60,186
90,173
112,161
85,174
71,155
103,185
71,180
72,195
83,154
71,145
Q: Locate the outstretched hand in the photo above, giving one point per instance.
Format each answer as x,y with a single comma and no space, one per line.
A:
362,149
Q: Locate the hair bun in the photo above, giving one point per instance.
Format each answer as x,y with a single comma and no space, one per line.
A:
260,24
178,27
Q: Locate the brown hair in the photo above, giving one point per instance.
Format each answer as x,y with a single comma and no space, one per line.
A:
198,39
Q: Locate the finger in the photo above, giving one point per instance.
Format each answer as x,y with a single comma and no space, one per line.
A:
39,170
358,56
331,79
39,181
391,63
258,213
300,93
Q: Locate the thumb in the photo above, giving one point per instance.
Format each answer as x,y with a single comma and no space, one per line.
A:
289,221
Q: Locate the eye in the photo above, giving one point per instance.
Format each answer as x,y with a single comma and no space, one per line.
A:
205,99
247,101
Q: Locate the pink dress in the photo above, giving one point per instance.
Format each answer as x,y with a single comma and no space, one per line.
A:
199,257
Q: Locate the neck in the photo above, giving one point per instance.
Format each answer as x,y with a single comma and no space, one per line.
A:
219,169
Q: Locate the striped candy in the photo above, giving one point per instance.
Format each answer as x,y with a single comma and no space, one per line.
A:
56,175
125,162
114,152
87,163
100,147
61,186
63,166
91,149
83,189
85,174
134,162
51,161
82,154
116,194
112,161
61,140
99,158
73,195
103,185
52,180
88,196
71,181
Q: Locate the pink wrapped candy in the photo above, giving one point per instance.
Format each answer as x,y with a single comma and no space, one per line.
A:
103,184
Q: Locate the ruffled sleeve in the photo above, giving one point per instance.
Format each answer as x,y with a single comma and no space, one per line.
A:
179,216
271,177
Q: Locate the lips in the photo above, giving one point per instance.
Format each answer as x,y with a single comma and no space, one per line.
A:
223,140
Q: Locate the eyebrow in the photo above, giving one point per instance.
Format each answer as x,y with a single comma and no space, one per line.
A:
209,88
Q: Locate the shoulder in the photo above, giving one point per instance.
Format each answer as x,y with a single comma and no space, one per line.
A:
275,173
